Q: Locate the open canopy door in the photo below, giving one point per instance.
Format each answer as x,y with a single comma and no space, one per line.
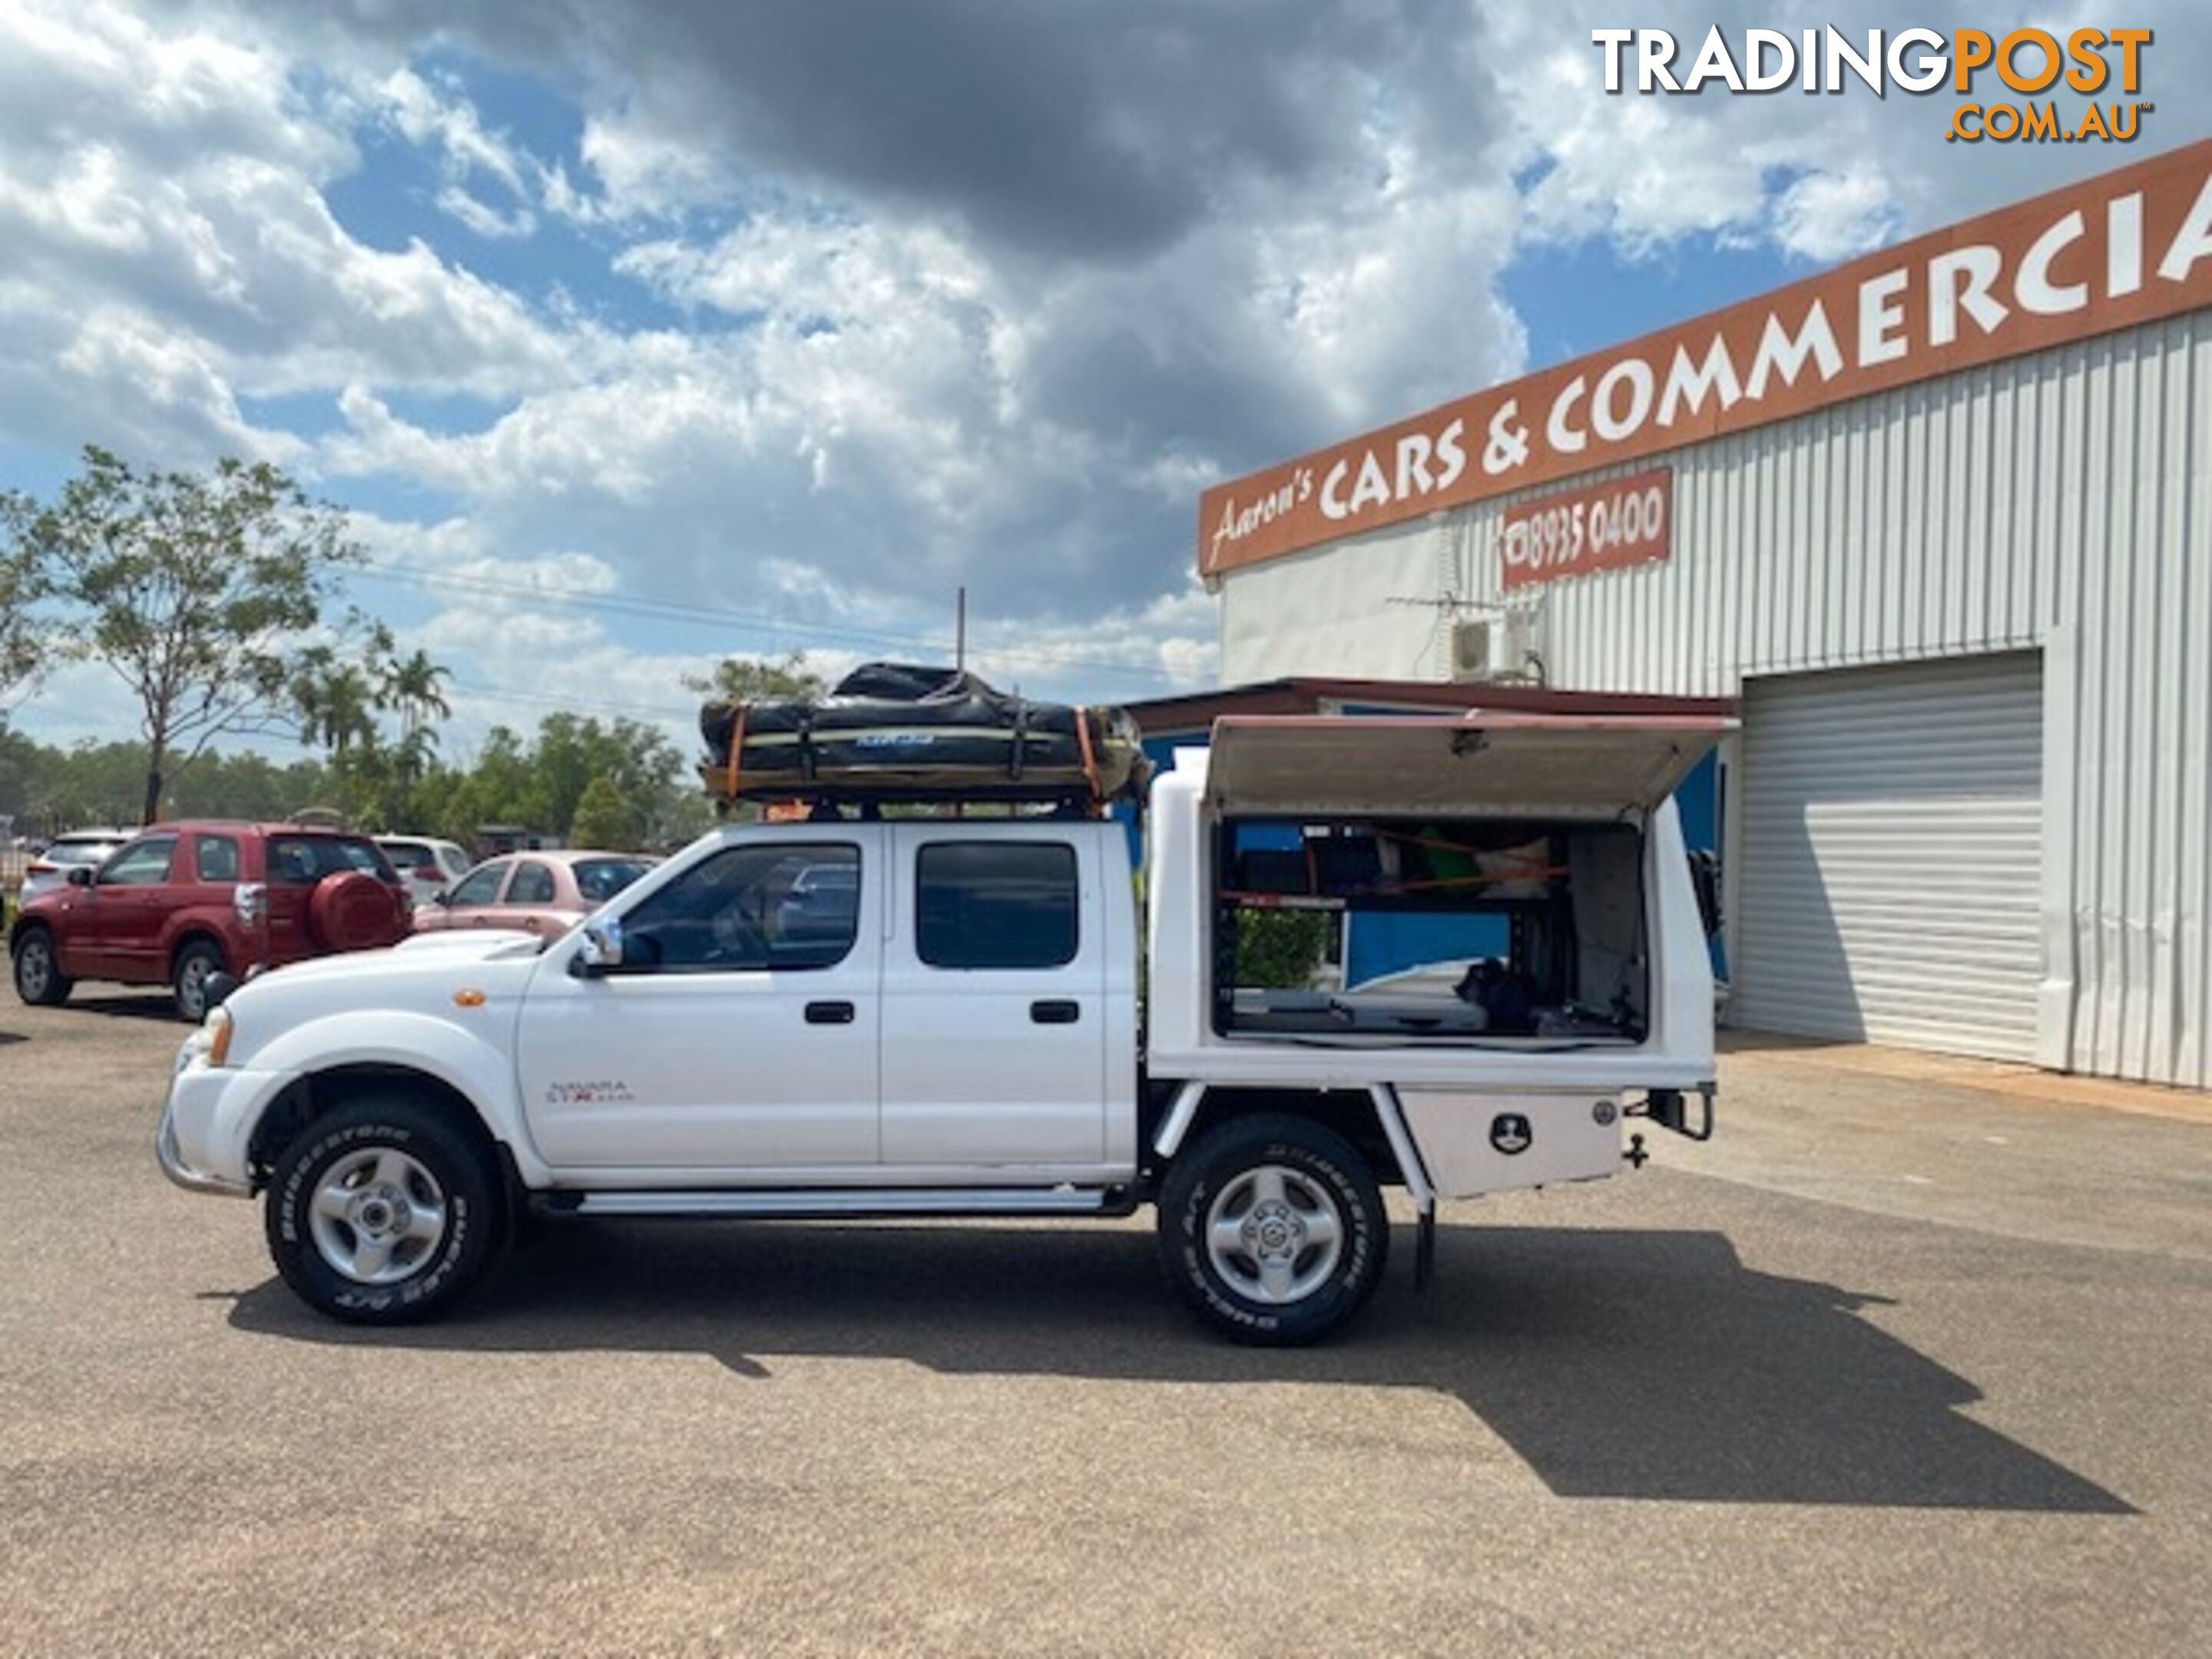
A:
1489,765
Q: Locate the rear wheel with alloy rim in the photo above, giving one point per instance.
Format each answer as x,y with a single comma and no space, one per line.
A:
1272,1230
197,964
383,1212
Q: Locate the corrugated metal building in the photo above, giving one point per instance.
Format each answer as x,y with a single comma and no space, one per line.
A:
1963,586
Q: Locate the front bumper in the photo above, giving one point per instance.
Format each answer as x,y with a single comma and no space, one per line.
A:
192,1180
196,1091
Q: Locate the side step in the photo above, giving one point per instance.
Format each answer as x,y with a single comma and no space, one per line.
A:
847,1202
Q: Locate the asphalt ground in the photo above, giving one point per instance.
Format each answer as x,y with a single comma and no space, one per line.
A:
1896,1366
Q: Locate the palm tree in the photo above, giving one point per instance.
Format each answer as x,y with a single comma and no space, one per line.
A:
414,755
337,710
414,686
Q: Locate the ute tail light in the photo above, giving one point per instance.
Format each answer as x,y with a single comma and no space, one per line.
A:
251,899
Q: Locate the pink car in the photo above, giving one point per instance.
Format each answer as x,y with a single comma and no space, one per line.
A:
545,892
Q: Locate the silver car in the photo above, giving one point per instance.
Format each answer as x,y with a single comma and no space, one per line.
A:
428,866
51,868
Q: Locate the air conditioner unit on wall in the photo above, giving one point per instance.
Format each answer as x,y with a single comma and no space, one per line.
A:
1495,648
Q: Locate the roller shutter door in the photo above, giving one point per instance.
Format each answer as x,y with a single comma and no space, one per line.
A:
1890,853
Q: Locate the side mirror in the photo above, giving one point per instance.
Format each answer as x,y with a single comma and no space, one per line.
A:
601,951
79,875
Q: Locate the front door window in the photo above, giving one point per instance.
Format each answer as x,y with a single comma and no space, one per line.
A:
143,864
749,909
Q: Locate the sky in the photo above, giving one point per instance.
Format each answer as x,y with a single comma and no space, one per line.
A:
633,334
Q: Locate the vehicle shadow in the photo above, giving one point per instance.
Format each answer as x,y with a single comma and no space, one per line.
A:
149,1005
1624,1363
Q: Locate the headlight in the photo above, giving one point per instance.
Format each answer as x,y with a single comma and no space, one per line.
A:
218,1033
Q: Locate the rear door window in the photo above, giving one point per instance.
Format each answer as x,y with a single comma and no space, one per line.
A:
996,904
305,860
533,884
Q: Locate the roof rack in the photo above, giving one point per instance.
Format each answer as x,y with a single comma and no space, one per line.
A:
905,788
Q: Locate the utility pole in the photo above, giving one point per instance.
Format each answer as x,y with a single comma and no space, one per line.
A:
960,629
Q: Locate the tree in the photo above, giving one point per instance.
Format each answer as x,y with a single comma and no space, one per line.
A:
756,679
414,687
604,820
22,584
337,705
197,589
1280,950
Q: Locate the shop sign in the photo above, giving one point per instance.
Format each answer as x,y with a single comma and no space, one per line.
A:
2127,247
1600,527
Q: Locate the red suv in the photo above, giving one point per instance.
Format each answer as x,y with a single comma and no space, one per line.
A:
185,901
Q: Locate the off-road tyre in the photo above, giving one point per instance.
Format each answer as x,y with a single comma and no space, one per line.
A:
1243,1216
360,1164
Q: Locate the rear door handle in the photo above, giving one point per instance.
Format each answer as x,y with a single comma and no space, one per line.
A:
830,1014
1055,1012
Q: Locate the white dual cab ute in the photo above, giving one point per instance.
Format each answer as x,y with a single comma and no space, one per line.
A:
1454,956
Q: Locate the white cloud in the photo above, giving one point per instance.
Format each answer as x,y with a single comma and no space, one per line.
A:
834,335
441,116
483,218
161,196
646,174
1827,217
1818,176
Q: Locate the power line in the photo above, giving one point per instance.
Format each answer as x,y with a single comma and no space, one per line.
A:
590,706
706,616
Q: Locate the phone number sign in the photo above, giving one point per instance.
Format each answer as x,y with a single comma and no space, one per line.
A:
1602,527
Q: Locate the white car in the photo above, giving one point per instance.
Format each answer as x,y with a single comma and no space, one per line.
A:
936,1015
428,866
51,868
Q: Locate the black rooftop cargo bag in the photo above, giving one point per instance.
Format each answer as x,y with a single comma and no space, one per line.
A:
898,731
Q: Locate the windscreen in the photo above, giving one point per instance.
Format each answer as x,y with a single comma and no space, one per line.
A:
599,880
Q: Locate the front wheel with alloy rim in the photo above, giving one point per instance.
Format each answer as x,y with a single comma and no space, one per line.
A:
197,964
38,976
383,1212
1272,1230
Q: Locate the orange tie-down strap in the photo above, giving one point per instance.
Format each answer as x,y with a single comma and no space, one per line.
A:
1083,743
734,770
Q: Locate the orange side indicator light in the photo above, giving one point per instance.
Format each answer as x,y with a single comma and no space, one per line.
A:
468,999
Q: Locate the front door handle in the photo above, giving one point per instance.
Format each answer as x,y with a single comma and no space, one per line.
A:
830,1014
1055,1012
